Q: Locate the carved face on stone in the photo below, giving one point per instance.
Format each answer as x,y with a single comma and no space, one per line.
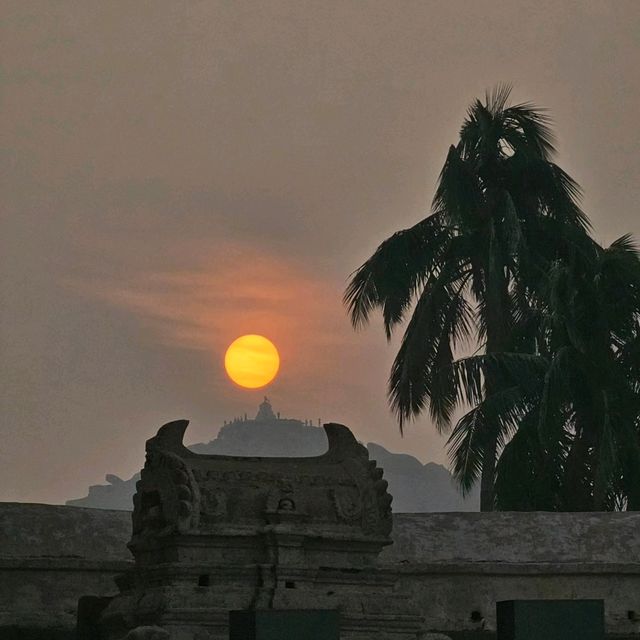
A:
286,504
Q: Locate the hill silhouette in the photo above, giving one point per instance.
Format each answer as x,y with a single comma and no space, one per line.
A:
415,487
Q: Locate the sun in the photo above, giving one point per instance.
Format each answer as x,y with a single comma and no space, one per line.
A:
252,361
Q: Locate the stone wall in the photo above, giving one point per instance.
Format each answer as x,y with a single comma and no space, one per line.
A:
453,566
456,566
49,557
515,537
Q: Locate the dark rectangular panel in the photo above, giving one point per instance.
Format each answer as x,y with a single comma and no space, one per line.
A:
318,624
550,619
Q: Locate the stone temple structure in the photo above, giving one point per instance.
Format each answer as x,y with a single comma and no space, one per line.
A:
216,533
213,533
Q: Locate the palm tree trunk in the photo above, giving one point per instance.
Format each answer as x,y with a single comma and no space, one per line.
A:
600,496
576,497
496,324
600,484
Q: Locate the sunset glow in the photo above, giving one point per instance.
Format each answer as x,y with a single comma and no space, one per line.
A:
252,361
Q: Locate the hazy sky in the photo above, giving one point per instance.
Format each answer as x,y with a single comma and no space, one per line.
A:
179,173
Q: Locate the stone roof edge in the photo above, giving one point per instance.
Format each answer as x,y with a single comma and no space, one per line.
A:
512,568
52,563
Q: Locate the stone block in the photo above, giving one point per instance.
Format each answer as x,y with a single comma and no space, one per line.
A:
284,625
550,619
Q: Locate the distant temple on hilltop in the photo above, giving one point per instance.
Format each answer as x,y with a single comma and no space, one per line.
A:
268,434
266,414
416,487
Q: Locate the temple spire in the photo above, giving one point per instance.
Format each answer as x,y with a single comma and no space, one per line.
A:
265,412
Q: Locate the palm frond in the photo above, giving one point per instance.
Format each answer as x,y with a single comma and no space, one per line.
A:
554,390
496,98
495,417
443,398
395,272
528,473
459,197
440,320
513,369
528,130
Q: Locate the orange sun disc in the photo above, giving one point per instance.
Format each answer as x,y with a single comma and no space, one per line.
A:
252,361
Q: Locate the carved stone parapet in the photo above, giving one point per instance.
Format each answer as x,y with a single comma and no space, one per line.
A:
217,533
338,495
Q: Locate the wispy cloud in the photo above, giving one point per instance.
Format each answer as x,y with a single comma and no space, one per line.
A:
239,290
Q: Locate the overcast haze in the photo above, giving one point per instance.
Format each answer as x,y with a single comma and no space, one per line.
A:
179,173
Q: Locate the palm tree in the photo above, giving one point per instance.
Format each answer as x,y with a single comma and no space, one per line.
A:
502,213
577,447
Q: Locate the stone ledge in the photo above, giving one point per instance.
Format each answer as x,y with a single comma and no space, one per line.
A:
512,568
46,563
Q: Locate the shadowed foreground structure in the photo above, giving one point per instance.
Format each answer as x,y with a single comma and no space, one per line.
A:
214,533
450,565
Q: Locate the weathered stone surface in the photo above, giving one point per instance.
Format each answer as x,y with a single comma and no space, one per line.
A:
50,531
515,537
147,633
340,494
214,533
457,566
49,557
445,565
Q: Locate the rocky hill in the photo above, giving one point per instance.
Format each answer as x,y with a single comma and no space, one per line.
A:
415,487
